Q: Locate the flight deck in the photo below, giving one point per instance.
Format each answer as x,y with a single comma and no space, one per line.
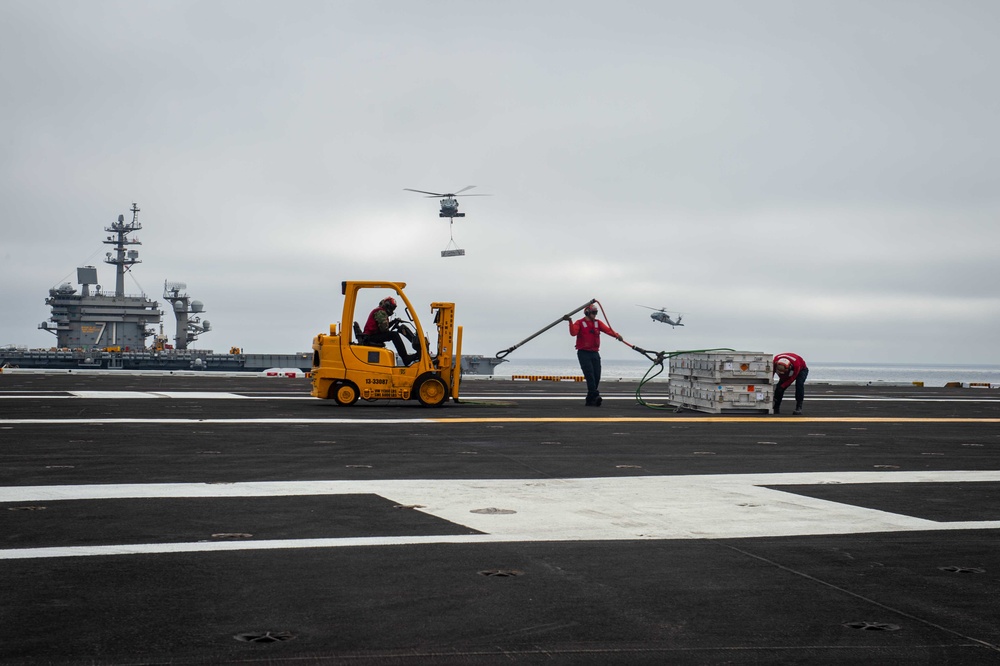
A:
213,519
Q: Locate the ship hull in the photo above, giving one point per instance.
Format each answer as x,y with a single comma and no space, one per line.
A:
172,360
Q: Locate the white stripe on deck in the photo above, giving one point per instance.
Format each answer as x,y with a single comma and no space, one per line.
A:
719,506
649,397
7,424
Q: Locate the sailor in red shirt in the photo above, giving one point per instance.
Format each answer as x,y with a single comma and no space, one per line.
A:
790,368
380,328
588,343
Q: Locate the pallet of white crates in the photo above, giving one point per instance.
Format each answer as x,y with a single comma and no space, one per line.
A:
721,398
722,382
722,366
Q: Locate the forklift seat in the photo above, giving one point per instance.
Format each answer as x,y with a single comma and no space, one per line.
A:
363,339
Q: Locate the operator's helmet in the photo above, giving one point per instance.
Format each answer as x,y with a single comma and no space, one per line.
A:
783,366
591,310
388,304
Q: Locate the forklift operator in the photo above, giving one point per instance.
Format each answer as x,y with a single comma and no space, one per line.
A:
378,328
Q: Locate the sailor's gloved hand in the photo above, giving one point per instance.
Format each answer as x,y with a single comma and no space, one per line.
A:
619,337
567,318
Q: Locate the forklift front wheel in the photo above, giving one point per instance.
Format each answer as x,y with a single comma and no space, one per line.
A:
345,393
432,392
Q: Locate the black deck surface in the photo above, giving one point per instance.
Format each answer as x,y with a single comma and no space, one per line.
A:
216,519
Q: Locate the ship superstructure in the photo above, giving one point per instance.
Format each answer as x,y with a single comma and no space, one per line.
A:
95,319
187,312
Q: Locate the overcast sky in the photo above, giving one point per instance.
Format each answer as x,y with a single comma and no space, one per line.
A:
818,177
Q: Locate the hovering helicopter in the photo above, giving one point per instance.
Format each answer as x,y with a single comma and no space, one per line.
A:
661,315
449,205
449,209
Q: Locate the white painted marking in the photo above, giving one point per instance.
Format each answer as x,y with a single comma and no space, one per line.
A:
457,419
204,547
651,398
287,421
722,506
200,395
188,395
112,395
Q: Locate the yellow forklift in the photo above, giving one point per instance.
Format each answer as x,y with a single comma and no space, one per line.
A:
347,365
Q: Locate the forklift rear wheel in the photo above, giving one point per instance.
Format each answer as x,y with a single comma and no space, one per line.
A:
345,394
432,392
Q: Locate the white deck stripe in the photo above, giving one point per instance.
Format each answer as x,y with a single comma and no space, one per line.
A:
219,395
673,418
720,506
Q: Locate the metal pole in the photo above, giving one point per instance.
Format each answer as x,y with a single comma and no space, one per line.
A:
502,354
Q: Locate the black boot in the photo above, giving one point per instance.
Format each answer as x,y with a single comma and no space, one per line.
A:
798,409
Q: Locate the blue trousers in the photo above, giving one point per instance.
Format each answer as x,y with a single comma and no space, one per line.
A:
800,390
590,363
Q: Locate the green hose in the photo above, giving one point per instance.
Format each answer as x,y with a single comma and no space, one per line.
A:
658,361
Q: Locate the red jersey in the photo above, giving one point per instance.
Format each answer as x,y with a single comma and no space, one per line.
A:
798,365
588,333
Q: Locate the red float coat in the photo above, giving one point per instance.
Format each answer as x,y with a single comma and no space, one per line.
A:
798,365
374,325
588,333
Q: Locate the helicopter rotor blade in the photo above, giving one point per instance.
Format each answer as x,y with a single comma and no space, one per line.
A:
467,187
433,194
663,310
471,195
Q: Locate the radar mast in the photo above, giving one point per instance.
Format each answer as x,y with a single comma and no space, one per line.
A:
123,259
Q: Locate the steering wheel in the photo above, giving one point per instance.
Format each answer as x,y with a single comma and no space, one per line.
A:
405,330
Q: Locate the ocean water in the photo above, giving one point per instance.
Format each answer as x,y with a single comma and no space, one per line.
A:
854,373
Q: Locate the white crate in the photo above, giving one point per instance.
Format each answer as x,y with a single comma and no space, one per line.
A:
722,366
721,398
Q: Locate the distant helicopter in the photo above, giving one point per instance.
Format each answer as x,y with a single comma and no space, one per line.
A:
449,206
662,316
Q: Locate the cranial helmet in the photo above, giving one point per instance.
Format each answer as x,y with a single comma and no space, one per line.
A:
783,365
591,310
388,304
